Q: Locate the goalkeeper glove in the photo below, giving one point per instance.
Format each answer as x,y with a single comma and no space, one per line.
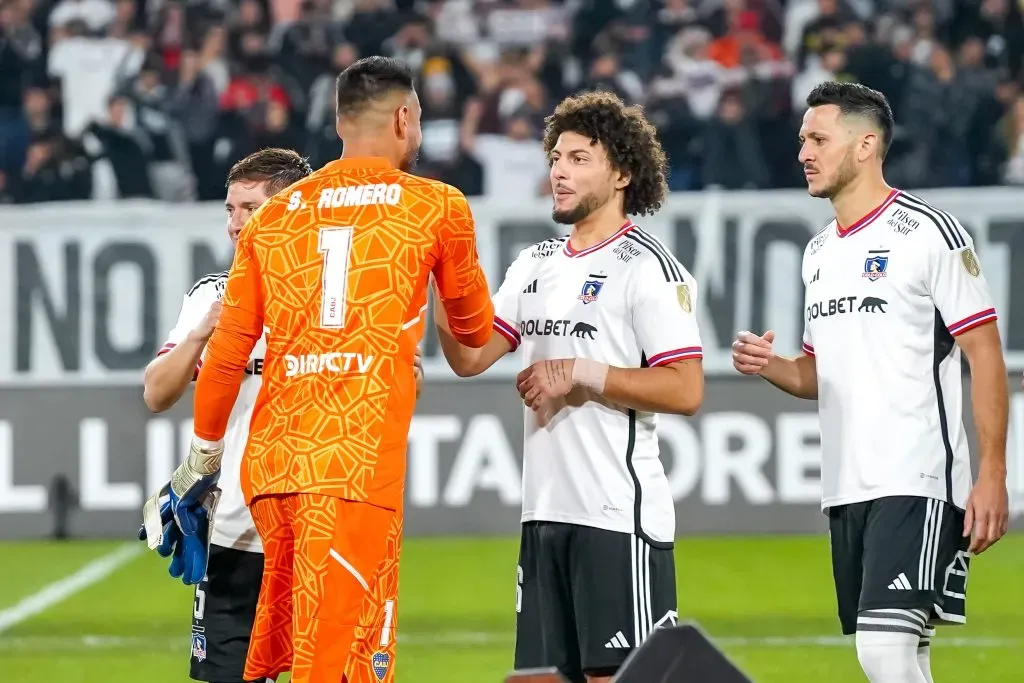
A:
180,526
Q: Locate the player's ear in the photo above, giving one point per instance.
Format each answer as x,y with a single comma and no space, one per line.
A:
402,122
622,181
867,147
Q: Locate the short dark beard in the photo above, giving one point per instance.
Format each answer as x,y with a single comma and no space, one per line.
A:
410,160
844,175
588,205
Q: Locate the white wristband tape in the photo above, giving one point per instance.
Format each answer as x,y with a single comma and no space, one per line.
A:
590,374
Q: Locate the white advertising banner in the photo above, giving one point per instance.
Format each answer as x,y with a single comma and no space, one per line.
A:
89,290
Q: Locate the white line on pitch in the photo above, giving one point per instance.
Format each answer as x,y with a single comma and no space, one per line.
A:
464,639
61,590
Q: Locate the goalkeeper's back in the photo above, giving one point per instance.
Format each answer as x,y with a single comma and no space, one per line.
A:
344,258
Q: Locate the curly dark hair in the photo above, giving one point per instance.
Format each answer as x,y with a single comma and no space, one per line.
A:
629,139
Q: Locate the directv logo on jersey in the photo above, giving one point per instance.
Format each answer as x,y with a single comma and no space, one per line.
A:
319,363
875,265
591,288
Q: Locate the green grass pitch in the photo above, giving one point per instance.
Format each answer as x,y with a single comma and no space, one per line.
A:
768,601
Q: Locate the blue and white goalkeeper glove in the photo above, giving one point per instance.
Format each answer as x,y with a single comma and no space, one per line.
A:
178,519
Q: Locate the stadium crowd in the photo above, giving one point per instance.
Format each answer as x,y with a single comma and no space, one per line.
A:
157,98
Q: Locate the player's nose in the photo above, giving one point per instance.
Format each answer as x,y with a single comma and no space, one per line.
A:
805,155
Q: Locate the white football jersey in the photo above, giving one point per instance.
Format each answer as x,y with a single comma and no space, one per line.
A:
626,302
232,526
885,300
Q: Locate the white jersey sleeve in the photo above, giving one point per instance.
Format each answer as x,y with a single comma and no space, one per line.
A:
194,305
815,243
955,281
664,313
517,278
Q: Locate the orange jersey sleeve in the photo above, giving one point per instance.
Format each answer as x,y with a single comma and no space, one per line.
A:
239,328
344,260
460,279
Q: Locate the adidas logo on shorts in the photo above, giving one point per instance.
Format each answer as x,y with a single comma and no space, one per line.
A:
900,583
618,642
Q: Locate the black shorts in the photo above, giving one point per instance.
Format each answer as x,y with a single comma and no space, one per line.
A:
223,614
586,597
899,552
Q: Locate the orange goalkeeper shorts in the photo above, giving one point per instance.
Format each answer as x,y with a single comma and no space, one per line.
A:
327,607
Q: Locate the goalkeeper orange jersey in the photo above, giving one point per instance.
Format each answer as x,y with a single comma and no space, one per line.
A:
335,270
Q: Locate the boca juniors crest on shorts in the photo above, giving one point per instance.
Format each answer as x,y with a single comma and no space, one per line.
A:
875,265
380,662
591,288
198,646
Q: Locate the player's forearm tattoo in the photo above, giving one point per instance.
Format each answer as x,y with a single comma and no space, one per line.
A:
555,372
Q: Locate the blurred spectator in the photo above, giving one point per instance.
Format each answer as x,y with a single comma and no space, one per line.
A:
194,104
122,168
163,139
513,159
89,67
829,65
33,122
21,55
733,158
1014,131
95,15
166,94
820,32
54,169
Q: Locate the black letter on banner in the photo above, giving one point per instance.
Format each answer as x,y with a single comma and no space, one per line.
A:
1011,233
514,236
66,328
108,257
720,304
205,262
795,232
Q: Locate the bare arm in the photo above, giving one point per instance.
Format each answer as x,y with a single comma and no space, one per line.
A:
990,396
987,517
464,360
168,375
753,355
796,376
676,388
671,388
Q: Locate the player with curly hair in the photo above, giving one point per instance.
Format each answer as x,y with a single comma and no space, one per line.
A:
607,320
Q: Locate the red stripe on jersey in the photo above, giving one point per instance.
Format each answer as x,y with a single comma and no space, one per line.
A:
666,357
572,253
168,346
508,332
864,222
808,349
970,322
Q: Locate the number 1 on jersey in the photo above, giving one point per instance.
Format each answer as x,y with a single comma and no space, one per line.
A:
336,246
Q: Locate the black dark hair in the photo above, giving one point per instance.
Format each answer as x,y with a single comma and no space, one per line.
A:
629,139
854,99
279,168
369,79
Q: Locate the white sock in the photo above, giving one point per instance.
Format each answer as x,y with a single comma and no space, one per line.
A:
924,654
887,641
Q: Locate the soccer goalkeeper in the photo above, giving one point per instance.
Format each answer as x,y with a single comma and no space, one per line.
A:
226,596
